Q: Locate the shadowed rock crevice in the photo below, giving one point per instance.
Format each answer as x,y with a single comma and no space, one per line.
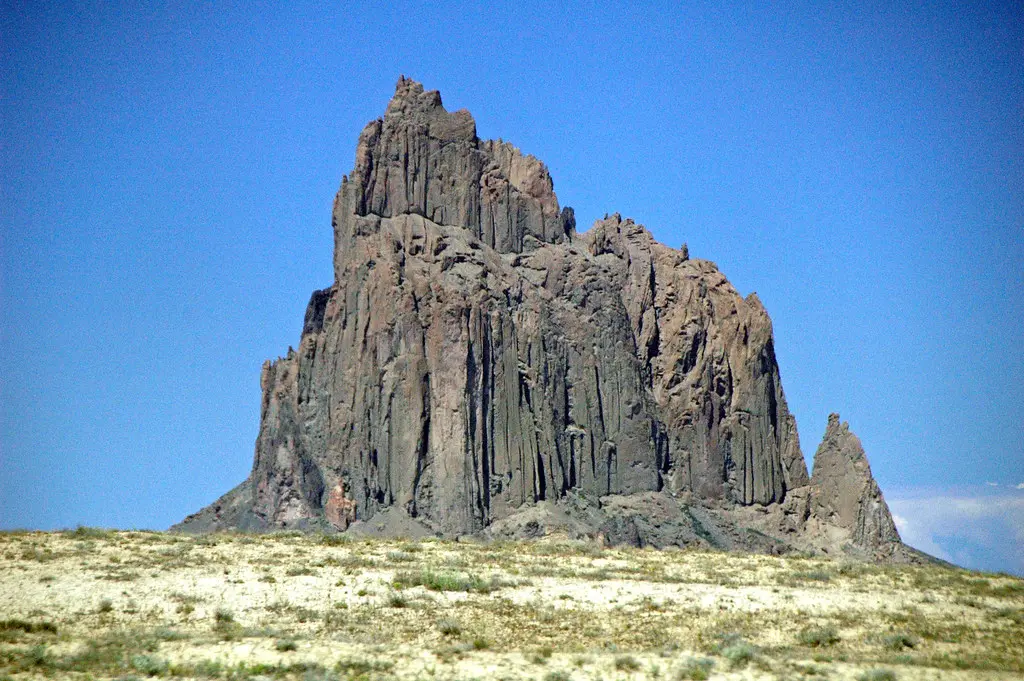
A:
476,360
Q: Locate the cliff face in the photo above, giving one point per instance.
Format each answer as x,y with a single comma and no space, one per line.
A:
475,357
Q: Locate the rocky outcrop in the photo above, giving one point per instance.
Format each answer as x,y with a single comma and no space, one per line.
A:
845,495
477,365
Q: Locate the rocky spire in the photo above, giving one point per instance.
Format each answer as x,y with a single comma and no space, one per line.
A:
844,493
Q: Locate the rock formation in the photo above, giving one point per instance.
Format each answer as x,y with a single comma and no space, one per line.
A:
845,495
477,367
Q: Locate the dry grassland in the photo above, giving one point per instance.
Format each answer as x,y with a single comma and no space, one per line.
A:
95,604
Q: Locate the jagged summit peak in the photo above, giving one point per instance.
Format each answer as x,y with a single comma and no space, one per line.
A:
840,438
409,90
419,159
415,111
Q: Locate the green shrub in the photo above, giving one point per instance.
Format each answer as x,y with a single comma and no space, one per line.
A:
400,557
818,637
736,649
38,656
150,665
286,645
449,627
695,669
83,532
28,627
168,634
301,570
627,663
334,539
899,641
447,581
814,576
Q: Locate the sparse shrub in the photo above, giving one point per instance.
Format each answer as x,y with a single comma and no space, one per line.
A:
361,668
167,634
695,669
814,576
481,643
1015,615
38,656
150,665
300,570
818,637
558,675
83,532
627,663
28,627
877,675
899,641
268,579
543,655
447,581
225,625
449,627
736,649
41,556
334,539
106,605
1011,589
286,645
207,669
397,600
400,557
850,569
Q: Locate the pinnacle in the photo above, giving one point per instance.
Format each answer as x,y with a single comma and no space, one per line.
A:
410,97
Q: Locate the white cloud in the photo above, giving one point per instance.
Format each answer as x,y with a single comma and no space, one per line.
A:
1020,486
992,484
983,530
914,534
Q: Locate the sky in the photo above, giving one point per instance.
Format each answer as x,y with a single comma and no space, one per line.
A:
167,172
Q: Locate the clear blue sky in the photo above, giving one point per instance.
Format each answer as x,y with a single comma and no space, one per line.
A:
168,172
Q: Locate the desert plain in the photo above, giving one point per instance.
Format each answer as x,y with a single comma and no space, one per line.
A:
103,604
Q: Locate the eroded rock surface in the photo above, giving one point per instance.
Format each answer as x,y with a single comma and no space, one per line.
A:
477,364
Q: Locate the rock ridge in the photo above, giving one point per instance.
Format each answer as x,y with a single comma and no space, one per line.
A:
478,367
